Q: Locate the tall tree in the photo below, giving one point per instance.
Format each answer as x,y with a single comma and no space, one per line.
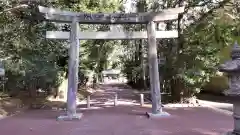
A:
192,58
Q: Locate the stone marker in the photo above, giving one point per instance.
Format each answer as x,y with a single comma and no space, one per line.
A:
232,68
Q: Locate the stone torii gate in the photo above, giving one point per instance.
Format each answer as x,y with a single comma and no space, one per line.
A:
75,35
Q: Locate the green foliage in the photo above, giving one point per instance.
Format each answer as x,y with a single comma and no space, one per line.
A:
193,58
200,55
33,61
28,57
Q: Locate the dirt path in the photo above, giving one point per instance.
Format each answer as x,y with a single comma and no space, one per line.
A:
106,93
126,119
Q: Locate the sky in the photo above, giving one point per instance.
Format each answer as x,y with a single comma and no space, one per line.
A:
128,5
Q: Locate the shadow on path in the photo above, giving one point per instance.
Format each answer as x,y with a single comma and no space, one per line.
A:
217,101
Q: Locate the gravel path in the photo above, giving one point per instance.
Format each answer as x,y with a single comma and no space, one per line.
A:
126,119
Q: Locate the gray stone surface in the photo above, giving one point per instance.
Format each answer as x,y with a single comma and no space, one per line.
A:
77,116
158,115
232,68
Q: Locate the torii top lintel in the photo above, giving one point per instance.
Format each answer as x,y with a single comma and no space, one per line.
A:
58,15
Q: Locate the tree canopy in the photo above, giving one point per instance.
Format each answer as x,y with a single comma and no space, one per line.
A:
206,30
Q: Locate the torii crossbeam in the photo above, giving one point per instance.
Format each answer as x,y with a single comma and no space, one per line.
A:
110,18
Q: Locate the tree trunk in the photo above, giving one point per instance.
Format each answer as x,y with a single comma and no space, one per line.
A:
32,90
175,94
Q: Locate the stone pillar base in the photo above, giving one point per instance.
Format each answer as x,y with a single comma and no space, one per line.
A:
231,133
236,117
236,132
158,115
76,116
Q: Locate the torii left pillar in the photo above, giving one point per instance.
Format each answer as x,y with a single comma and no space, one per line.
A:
73,74
154,74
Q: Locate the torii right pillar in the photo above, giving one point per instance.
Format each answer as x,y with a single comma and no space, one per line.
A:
157,111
